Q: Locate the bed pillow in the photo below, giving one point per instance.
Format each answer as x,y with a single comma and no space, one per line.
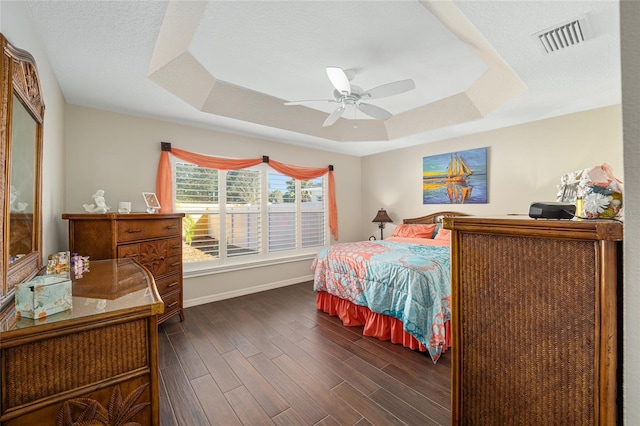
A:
443,234
414,230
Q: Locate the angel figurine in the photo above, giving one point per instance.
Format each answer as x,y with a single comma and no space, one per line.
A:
100,205
15,204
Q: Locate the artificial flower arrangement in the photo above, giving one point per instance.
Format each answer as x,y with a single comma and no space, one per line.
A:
599,189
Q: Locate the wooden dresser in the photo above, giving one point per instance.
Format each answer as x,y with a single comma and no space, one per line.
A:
154,240
106,345
534,314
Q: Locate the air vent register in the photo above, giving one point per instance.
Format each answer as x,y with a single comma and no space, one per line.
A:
563,36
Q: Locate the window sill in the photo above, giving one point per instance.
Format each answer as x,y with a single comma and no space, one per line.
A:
198,269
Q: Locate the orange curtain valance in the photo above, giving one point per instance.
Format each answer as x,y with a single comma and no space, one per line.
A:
164,181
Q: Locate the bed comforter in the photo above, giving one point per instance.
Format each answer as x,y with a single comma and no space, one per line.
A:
410,282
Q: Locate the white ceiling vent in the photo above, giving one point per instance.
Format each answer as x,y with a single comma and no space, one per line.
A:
563,36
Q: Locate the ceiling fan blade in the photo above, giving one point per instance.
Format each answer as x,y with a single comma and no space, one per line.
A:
333,117
390,89
339,79
307,101
374,111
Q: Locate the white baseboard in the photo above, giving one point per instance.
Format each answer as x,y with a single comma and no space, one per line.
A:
244,291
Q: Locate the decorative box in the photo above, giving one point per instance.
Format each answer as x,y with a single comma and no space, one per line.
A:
42,296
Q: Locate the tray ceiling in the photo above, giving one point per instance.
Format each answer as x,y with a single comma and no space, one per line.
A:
231,65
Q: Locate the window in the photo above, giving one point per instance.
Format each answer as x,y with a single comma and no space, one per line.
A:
242,212
248,214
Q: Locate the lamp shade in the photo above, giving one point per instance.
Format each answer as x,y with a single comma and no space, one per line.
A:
382,217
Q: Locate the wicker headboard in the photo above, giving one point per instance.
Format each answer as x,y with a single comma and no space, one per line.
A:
432,218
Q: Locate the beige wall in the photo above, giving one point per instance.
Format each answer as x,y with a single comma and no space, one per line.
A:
525,163
119,154
16,26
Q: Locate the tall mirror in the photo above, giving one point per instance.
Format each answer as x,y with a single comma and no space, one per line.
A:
21,121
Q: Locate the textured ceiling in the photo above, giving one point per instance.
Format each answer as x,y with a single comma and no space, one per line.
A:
381,41
231,65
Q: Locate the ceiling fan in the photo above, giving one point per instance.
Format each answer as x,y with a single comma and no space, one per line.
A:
347,94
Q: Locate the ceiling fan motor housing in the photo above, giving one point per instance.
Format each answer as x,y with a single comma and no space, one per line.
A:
349,99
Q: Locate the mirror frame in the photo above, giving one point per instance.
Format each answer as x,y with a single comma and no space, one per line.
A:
19,76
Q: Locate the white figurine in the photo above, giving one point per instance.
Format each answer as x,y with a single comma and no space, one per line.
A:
15,205
100,205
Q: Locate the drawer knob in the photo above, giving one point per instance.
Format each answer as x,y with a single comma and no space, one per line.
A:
172,305
172,227
177,246
173,284
134,231
175,263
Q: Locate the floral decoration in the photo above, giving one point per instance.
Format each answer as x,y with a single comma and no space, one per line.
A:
599,189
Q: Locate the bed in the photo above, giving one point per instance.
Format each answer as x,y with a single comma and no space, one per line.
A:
398,289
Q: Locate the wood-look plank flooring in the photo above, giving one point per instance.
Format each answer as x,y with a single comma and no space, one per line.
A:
272,358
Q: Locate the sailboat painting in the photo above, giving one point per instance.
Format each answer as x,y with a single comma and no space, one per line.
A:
455,178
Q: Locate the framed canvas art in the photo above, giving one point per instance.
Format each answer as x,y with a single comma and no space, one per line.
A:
458,177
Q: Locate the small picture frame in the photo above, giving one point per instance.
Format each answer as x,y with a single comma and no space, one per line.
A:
572,185
153,205
568,192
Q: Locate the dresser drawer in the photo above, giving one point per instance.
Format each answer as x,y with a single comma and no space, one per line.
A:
160,257
135,230
174,246
173,265
159,266
168,284
172,305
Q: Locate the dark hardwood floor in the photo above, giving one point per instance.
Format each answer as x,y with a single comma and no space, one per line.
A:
272,358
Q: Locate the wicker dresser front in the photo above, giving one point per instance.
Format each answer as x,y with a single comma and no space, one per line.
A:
534,321
89,364
154,240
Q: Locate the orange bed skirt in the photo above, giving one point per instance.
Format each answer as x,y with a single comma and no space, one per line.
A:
376,325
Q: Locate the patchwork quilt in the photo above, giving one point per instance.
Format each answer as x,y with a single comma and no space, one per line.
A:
410,282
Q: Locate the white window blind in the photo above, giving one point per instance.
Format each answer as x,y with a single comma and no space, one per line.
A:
313,217
248,213
197,196
282,212
242,212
